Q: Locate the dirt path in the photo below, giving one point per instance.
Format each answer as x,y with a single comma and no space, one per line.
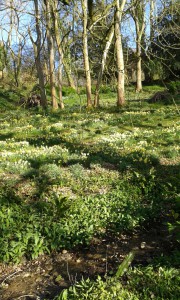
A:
49,274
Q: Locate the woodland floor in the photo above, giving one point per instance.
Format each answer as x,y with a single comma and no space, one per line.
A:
85,157
46,276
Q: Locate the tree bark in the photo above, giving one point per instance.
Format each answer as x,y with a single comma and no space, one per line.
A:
55,18
60,84
51,51
138,68
119,53
138,14
103,64
85,53
37,51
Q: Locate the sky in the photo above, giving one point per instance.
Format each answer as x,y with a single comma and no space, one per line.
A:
25,19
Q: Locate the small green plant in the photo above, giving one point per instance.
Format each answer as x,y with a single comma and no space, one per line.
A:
174,87
151,283
50,173
67,90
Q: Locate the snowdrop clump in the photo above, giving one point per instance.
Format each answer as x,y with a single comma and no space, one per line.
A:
57,125
115,137
173,129
142,113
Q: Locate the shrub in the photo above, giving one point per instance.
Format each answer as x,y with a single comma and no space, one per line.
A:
143,283
174,87
111,289
67,90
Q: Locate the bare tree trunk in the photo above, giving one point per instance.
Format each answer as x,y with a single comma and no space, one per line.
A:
60,84
85,53
68,73
46,71
152,12
52,73
103,64
16,56
138,14
138,68
119,54
51,51
37,51
59,46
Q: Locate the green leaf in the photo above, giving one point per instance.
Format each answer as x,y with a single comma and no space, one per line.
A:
63,295
125,264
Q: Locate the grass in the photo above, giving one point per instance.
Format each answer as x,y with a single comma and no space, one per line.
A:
68,176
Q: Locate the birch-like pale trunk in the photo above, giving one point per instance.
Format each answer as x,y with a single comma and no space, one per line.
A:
15,55
51,52
37,53
119,53
85,52
152,11
59,45
138,14
138,68
103,64
61,103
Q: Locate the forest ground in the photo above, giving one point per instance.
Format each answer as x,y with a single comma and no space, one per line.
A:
82,188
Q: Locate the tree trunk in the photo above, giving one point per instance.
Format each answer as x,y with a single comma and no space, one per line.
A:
85,53
119,54
37,51
152,12
138,14
55,18
52,73
138,68
103,64
68,73
40,77
51,51
60,85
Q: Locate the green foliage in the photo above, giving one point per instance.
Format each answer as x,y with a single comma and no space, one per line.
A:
174,226
99,289
20,232
143,283
67,91
174,87
125,264
68,176
50,173
106,89
3,57
150,283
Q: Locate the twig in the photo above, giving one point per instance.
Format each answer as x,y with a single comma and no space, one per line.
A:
11,275
106,260
37,297
69,276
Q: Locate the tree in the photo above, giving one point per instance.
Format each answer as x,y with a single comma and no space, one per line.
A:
15,41
38,46
85,52
165,46
103,19
119,53
138,15
103,64
60,41
51,52
3,59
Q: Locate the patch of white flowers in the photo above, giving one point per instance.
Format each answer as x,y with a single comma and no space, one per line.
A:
172,129
57,125
142,113
115,137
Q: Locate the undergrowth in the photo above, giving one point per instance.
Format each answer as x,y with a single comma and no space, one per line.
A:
69,176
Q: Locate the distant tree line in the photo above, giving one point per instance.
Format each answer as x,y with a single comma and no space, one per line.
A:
59,42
